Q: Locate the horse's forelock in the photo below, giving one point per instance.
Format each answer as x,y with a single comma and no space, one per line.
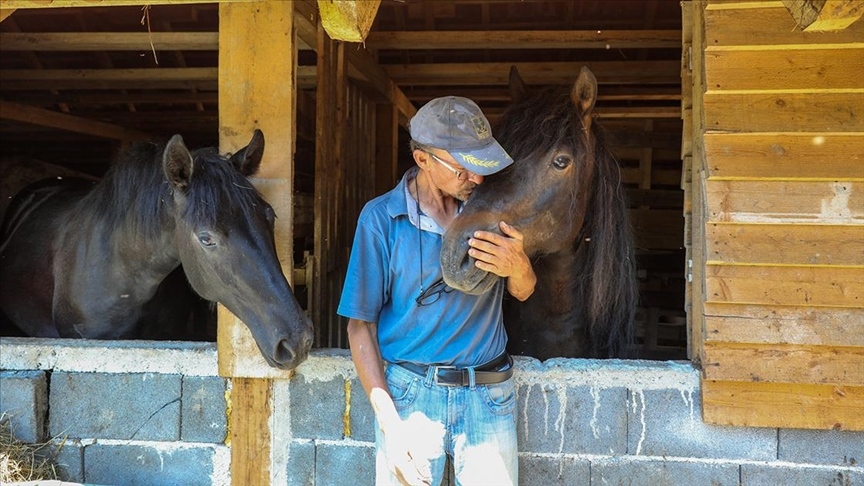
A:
540,122
217,191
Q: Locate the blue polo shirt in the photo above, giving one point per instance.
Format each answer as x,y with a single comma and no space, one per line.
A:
384,281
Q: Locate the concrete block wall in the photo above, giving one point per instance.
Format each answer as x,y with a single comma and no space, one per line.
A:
126,413
153,413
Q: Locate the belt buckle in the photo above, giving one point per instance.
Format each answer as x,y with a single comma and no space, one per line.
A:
439,368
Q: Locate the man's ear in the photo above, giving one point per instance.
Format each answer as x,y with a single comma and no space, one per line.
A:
421,158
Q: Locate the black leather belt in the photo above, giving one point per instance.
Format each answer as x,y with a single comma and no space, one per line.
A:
498,370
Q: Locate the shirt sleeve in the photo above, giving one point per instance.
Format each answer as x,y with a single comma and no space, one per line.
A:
365,290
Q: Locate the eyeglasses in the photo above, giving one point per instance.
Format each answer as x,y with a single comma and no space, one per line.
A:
433,293
461,175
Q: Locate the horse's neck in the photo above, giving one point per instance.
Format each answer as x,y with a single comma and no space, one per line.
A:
555,279
549,323
124,239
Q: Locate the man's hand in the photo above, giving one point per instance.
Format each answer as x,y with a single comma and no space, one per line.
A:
409,470
504,256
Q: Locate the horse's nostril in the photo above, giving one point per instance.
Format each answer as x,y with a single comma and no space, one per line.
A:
284,354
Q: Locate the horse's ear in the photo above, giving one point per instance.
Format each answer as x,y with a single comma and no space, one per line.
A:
248,159
177,163
584,94
517,85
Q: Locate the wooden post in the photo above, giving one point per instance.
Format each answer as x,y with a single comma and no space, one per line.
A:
257,79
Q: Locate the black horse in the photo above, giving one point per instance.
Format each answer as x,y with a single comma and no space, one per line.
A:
565,193
87,261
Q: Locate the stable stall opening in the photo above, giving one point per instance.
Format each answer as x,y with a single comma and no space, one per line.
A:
90,78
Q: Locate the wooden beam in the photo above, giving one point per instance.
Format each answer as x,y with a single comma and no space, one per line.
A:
109,41
62,121
535,73
104,3
257,89
822,15
148,78
112,41
5,12
166,97
526,39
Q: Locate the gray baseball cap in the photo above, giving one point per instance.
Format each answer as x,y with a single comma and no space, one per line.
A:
457,125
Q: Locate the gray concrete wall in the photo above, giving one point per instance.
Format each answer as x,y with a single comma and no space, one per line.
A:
155,413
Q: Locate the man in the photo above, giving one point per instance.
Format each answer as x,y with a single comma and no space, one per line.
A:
431,359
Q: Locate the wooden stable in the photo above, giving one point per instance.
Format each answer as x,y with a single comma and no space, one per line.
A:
750,251
774,166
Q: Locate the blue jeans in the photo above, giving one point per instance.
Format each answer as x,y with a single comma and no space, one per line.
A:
474,425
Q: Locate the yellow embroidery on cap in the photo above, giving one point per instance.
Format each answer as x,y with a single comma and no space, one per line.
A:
480,162
481,128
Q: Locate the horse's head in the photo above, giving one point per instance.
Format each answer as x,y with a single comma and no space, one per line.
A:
545,192
224,236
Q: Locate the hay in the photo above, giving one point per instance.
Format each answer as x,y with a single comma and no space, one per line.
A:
24,462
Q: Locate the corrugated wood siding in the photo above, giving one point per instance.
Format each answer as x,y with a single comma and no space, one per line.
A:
783,175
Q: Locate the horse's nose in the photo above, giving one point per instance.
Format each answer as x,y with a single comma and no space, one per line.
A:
288,356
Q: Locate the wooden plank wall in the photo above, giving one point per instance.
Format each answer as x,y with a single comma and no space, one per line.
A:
782,131
345,179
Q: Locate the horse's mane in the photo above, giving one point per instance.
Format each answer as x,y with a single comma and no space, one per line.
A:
135,191
604,279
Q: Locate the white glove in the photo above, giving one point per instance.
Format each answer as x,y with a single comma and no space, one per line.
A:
398,442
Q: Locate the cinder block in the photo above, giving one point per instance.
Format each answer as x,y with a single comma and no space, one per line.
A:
317,408
146,465
70,460
337,465
562,419
362,415
204,410
669,423
836,447
24,400
301,463
562,470
791,475
633,472
143,406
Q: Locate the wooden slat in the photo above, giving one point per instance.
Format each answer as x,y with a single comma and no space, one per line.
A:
781,201
786,69
786,285
71,123
830,156
104,3
143,78
535,73
109,41
784,363
659,177
250,426
745,404
772,26
658,228
784,112
799,244
526,39
764,324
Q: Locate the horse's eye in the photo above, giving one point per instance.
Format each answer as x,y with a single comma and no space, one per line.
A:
562,161
206,240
